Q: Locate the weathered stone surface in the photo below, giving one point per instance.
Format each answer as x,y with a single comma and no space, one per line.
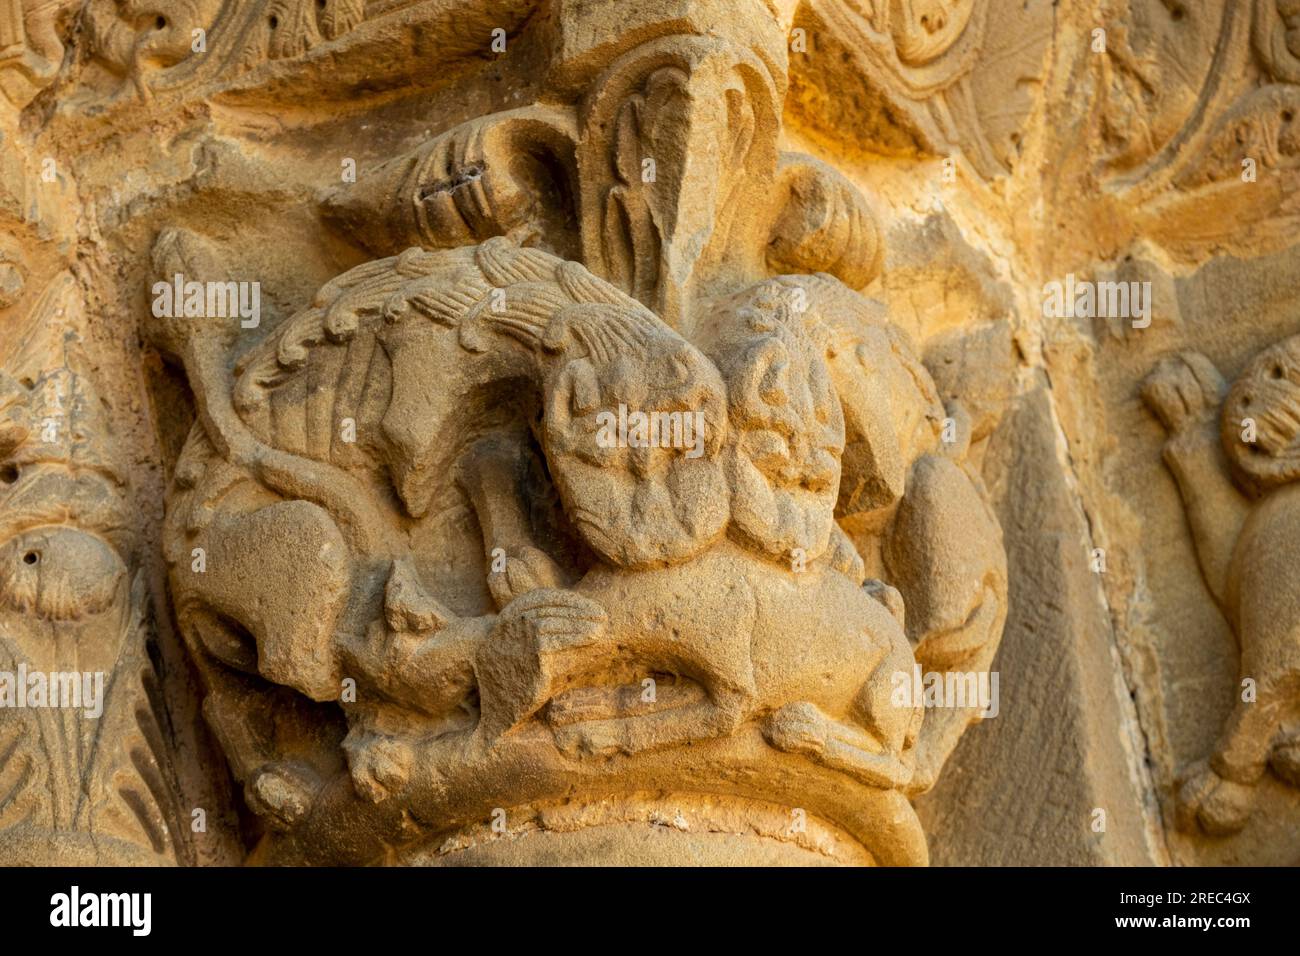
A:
463,432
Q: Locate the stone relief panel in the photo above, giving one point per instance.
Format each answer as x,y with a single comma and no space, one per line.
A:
457,432
1232,471
438,397
86,769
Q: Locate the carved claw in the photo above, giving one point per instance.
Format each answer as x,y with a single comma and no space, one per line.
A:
700,719
1218,806
600,738
555,620
1183,389
800,728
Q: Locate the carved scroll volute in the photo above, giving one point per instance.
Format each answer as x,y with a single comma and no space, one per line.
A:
30,49
676,134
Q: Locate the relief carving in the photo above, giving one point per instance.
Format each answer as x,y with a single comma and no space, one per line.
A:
531,432
715,571
413,536
85,771
1233,453
929,77
1202,99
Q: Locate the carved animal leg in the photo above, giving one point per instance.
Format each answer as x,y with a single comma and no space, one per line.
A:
943,727
803,729
704,720
262,751
1185,392
541,640
944,553
490,475
1218,795
424,657
1247,739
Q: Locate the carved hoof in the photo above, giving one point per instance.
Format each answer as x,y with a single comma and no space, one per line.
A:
1285,760
1217,806
1183,389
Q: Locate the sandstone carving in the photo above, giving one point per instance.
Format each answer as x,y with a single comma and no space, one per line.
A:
706,573
534,432
1232,452
72,606
928,76
412,498
1193,129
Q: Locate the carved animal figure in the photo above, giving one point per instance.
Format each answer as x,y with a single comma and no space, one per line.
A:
405,409
642,511
1238,482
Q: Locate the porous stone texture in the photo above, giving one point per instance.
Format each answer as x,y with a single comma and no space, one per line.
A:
671,432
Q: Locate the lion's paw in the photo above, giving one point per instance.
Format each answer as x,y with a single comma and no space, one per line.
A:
1183,389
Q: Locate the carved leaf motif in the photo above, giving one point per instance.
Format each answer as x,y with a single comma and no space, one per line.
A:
340,16
92,766
23,762
128,767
